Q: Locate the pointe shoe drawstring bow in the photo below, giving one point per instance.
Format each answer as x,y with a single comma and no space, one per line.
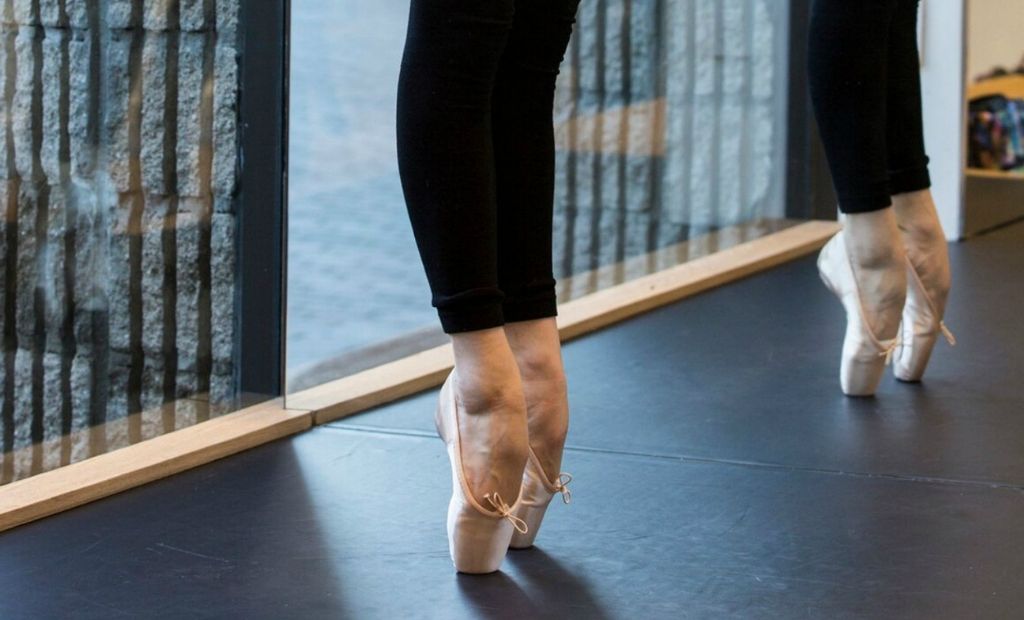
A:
538,490
505,510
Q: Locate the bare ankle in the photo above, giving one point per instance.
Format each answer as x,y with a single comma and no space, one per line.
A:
873,240
481,395
918,218
543,369
548,435
537,350
548,419
486,376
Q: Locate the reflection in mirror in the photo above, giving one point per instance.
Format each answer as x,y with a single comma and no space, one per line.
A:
118,164
670,125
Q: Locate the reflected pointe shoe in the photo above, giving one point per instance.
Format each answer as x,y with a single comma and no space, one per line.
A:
478,536
864,355
537,494
922,324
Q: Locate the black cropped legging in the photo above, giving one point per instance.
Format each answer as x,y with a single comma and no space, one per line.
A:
476,153
866,91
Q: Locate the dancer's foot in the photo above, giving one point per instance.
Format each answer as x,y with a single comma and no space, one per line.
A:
925,243
875,248
491,413
538,353
928,277
865,266
481,416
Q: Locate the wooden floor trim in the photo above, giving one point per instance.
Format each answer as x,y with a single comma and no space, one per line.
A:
376,386
72,485
96,477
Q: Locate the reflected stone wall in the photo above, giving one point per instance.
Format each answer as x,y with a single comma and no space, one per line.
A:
117,175
669,123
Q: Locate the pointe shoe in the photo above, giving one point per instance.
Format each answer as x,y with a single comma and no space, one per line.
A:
921,326
478,536
864,355
537,494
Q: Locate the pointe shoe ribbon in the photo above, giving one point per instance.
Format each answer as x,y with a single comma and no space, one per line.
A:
943,329
950,338
889,351
502,508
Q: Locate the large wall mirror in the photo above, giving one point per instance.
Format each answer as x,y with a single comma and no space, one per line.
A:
671,125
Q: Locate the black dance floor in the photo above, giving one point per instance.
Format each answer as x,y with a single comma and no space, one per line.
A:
719,473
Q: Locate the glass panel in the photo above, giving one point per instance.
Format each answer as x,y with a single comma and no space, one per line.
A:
669,118
356,293
118,247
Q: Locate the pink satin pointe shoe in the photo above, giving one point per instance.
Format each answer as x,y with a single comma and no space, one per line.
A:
922,324
864,355
478,535
537,493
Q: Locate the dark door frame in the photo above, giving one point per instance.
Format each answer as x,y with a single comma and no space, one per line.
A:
262,207
809,193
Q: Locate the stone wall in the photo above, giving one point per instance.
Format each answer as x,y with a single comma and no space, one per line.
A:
117,181
669,121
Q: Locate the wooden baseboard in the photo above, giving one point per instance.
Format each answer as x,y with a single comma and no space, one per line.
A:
100,476
348,395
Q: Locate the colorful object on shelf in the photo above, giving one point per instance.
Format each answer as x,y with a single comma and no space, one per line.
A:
996,133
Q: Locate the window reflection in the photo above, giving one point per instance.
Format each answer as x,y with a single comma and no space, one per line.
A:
118,164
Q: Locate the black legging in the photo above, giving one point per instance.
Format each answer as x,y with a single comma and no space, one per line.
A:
476,153
866,91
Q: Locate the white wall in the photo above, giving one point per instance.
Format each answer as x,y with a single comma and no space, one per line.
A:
995,34
942,89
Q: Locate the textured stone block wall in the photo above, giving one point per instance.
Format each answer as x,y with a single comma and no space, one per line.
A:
667,122
117,182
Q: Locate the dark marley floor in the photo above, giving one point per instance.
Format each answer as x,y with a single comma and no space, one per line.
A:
718,473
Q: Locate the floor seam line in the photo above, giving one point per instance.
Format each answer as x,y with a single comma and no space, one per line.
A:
717,461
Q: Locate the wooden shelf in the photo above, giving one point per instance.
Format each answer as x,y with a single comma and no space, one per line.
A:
1010,86
981,173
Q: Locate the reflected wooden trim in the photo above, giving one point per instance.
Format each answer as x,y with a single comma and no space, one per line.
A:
106,474
650,141
343,397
